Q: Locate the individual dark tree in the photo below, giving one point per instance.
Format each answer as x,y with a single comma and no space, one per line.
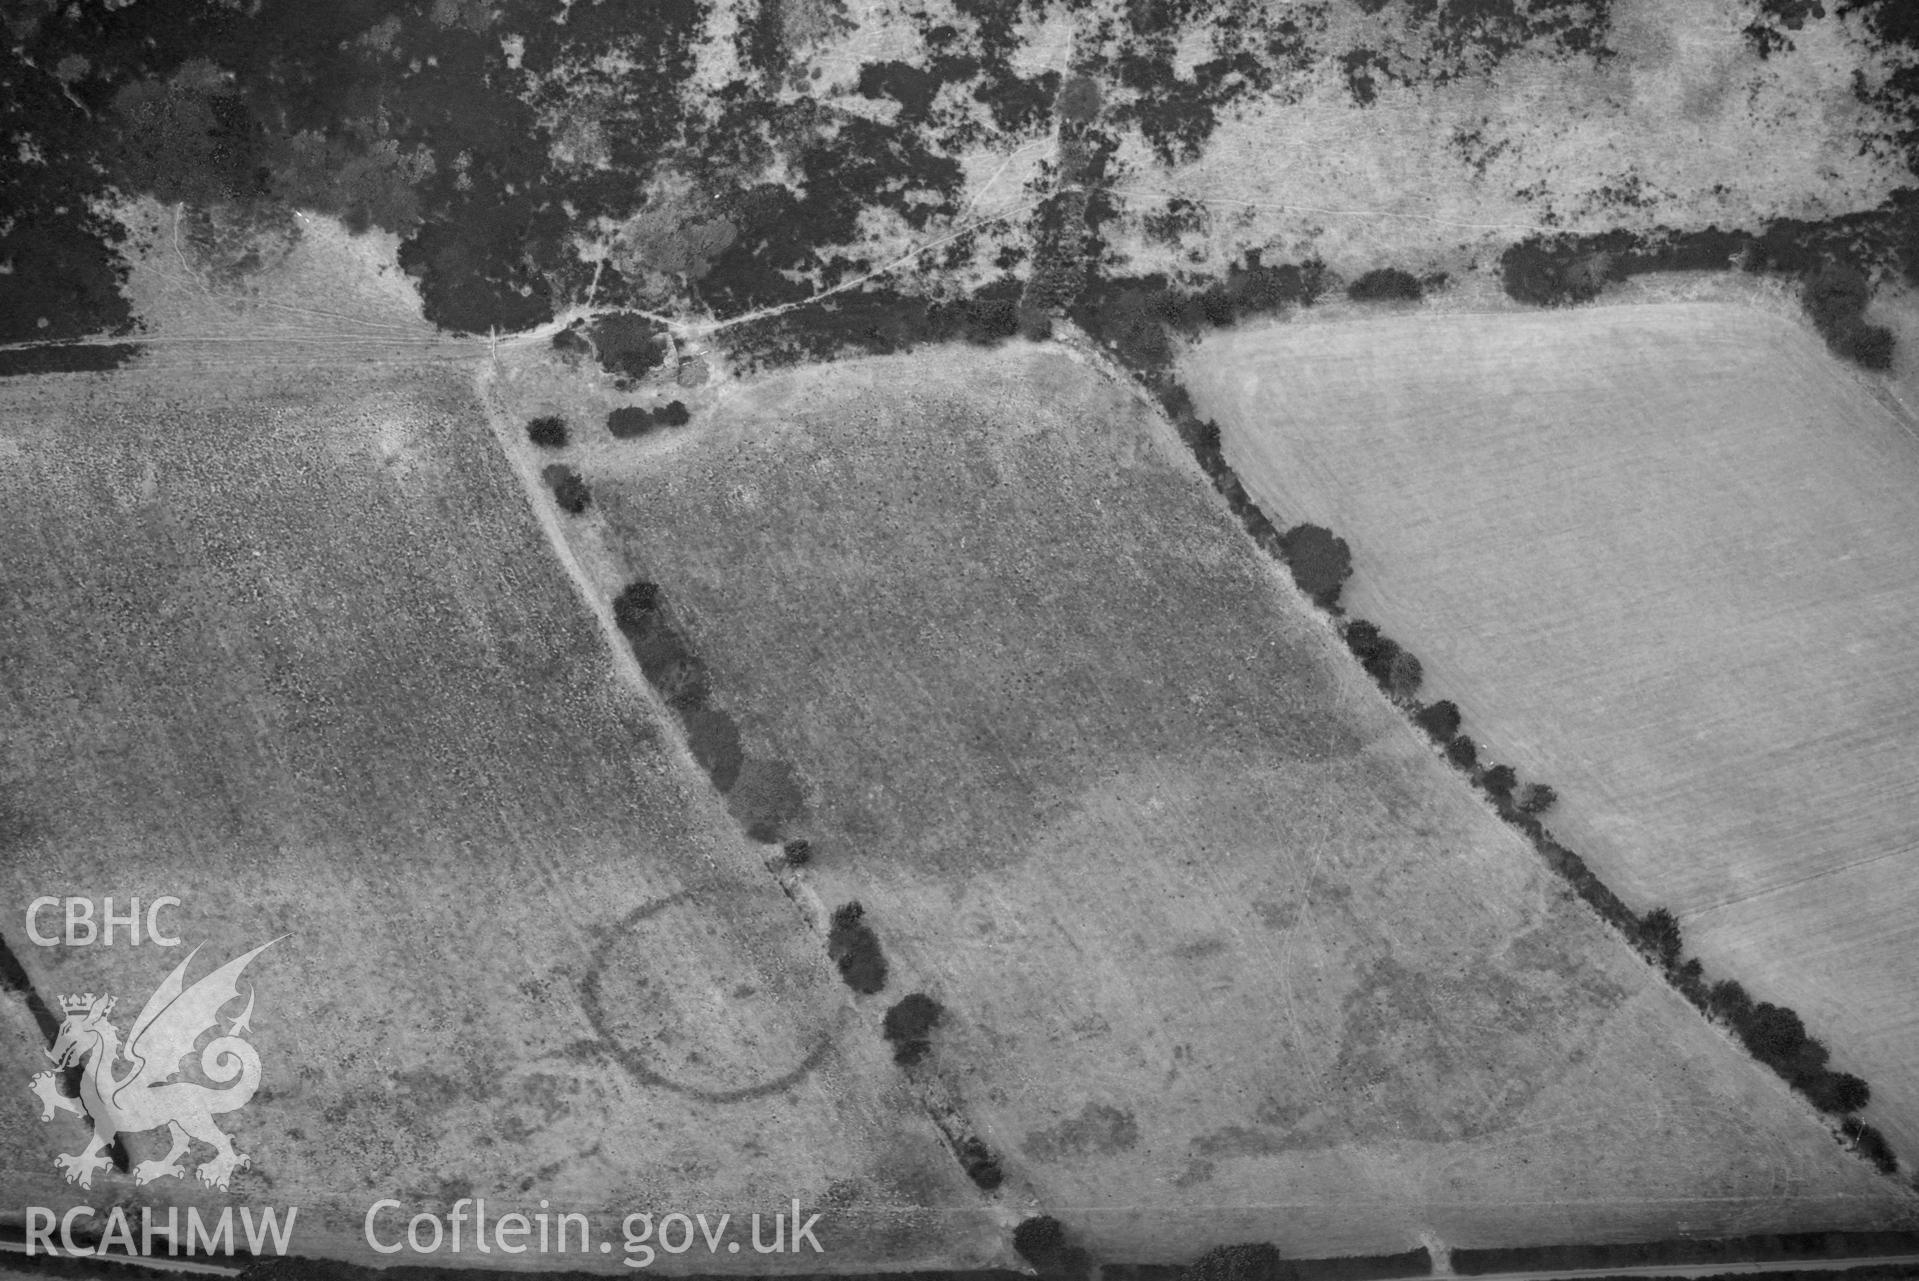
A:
1690,979
1463,752
569,491
911,1053
637,606
981,1166
1039,1240
1217,306
1498,782
855,949
1403,674
863,966
1869,346
1042,1242
1230,487
547,431
1203,439
1379,654
913,1015
1870,1143
1836,292
1772,1032
1387,284
1440,720
1321,562
798,852
909,1026
672,414
1840,1092
1248,1262
630,345
1537,798
1729,1001
1658,936
629,421
1835,297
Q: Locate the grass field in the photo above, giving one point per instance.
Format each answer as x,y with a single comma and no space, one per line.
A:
1663,558
1228,954
290,646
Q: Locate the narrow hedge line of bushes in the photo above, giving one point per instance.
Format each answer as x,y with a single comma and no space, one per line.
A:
1319,562
1139,316
764,798
760,793
1257,1261
1836,262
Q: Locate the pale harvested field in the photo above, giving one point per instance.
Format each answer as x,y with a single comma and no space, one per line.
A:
1663,557
1228,955
292,648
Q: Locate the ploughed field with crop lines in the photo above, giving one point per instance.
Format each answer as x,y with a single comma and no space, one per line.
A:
1665,558
292,648
1227,954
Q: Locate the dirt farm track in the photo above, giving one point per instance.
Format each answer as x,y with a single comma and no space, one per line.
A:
1663,558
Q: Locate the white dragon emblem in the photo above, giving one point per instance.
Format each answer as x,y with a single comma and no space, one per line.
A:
143,1097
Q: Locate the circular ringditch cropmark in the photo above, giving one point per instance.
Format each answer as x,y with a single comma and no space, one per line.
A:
699,1026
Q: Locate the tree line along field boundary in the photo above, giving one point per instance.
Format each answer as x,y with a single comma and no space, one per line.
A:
1135,322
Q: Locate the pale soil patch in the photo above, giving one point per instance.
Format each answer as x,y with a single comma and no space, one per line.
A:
289,647
1227,953
1662,557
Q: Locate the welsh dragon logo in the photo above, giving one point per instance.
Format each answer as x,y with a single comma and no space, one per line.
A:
143,1097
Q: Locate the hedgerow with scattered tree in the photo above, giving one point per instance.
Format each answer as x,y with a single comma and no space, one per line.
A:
1137,321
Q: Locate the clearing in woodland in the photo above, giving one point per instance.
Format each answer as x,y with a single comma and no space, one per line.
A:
289,646
1662,557
1228,954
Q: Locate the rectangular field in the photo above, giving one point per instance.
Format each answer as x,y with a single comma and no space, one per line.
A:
1226,953
1667,559
291,648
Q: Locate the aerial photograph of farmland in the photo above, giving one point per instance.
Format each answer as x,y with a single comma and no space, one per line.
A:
1096,640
